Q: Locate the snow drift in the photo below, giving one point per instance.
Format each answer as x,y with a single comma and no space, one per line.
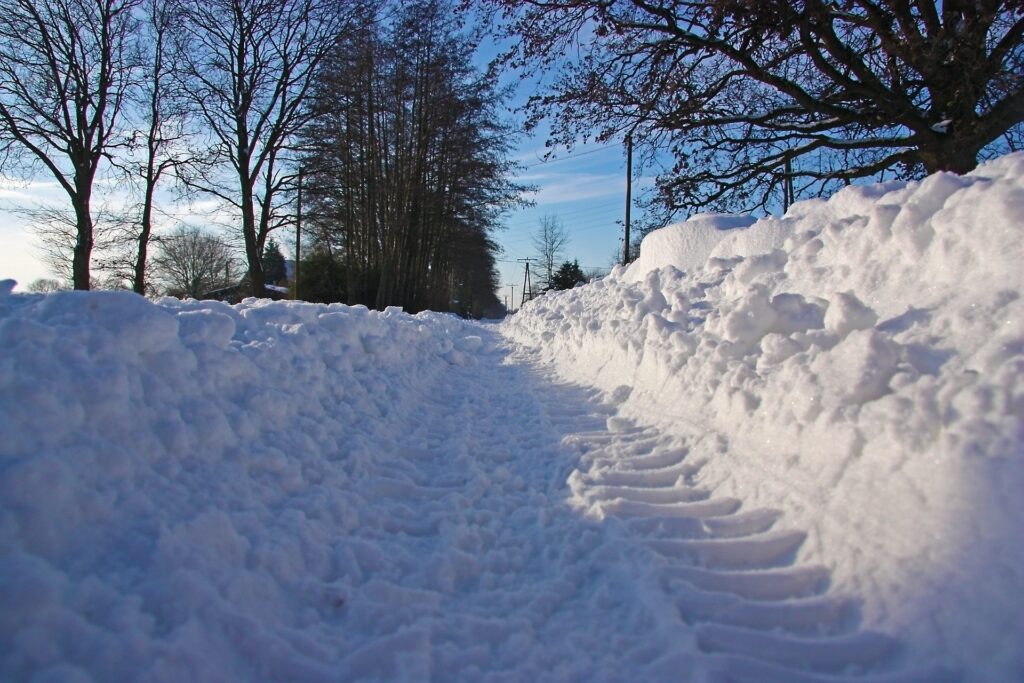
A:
174,481
286,491
861,361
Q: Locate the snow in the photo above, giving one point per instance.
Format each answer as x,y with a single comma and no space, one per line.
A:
774,451
864,374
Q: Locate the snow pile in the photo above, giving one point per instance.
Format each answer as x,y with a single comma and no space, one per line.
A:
277,491
174,481
686,246
861,361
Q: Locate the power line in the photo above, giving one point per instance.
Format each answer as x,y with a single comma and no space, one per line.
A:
583,217
573,218
548,162
611,202
500,260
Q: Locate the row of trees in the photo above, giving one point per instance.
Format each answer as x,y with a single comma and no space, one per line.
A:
190,262
406,173
753,96
212,90
404,157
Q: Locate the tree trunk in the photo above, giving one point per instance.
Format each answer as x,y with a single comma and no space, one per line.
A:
83,245
252,247
949,154
139,279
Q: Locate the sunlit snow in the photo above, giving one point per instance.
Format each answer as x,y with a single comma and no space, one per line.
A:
772,451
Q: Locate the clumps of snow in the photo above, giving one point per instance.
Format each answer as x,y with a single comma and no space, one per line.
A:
863,358
175,478
684,245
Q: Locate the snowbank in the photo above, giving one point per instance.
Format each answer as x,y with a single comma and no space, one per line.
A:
173,480
861,361
687,245
191,491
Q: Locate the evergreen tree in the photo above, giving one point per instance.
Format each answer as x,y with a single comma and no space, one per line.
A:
274,270
323,277
568,276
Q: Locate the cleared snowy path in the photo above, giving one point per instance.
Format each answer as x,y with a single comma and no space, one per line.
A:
290,492
528,533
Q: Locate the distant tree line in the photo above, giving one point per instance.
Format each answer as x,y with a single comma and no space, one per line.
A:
755,100
397,137
406,172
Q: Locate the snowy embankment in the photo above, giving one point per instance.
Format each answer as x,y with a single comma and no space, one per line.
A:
802,464
175,495
861,361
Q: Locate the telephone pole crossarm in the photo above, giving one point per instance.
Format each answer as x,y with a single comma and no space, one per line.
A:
527,283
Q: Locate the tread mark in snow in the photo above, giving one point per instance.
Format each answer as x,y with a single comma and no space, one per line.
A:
759,616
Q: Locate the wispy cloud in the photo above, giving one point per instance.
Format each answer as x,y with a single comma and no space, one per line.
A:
575,187
19,191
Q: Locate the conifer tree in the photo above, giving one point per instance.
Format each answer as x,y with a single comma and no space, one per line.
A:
568,276
273,263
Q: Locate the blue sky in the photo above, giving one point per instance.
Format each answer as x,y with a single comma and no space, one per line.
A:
584,188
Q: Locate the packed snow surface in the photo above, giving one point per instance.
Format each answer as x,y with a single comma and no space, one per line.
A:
775,451
862,361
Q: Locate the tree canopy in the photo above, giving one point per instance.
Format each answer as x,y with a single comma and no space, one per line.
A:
567,276
747,94
406,162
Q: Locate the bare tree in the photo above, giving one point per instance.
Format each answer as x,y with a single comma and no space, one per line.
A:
161,132
190,262
56,228
66,67
751,95
247,67
549,241
46,286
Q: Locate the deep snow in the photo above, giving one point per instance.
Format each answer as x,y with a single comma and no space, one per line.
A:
775,451
862,360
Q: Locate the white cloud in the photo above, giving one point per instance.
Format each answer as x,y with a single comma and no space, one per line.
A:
574,187
19,254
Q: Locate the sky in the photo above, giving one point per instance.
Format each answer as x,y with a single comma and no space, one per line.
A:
583,188
20,258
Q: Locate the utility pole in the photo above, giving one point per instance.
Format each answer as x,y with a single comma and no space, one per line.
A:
788,196
527,284
298,237
513,299
629,196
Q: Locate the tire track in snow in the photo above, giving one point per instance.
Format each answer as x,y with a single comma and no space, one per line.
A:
758,615
528,532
